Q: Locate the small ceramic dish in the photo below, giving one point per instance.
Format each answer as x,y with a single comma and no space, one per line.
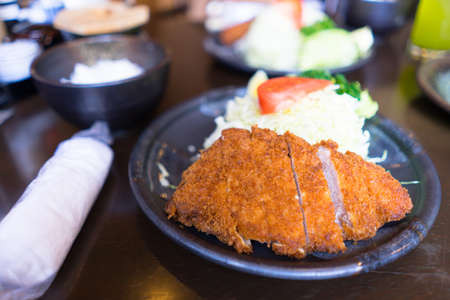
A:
427,74
121,103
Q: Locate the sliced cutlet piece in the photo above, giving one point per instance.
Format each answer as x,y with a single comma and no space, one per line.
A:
201,199
393,201
324,233
371,195
356,210
245,189
242,189
278,193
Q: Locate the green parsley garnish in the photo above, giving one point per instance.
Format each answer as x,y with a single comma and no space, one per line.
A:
351,88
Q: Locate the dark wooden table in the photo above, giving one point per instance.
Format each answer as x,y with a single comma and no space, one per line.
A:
120,254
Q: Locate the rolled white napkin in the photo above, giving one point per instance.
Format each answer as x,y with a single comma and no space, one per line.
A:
36,235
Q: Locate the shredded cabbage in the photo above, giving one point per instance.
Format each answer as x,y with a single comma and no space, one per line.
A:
318,116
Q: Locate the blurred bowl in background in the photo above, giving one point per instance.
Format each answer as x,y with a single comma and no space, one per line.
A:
123,103
44,34
135,31
99,19
382,16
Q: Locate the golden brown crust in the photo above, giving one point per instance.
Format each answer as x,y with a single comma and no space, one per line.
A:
323,232
372,196
244,187
392,200
359,205
201,200
270,157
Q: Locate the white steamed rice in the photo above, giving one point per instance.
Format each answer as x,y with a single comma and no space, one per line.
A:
102,71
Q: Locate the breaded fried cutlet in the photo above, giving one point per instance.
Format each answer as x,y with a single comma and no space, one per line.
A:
361,210
392,199
231,190
294,197
323,231
201,199
270,158
371,195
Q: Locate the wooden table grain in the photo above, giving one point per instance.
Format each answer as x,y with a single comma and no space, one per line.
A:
119,254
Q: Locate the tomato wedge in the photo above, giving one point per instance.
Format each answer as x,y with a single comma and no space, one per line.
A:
292,9
280,93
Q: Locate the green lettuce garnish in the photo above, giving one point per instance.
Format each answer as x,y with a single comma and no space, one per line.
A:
324,24
318,74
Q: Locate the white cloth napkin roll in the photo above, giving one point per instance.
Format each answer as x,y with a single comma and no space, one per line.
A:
36,235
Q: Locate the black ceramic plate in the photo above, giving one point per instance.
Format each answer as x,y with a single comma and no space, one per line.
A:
189,124
426,77
230,57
